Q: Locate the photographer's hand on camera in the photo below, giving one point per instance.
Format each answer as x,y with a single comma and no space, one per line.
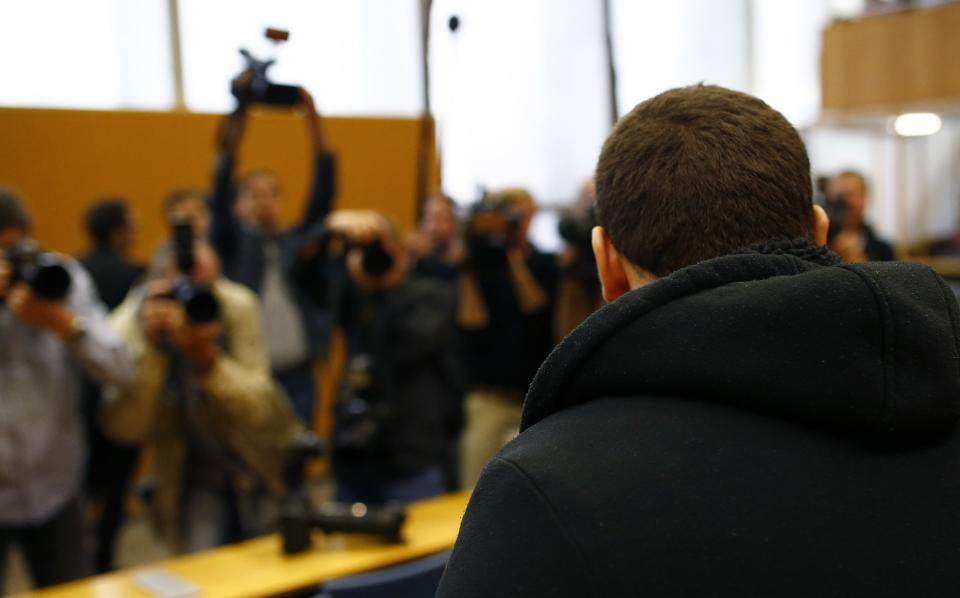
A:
530,295
161,316
360,229
52,316
849,246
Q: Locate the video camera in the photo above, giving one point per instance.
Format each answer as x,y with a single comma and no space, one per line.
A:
491,229
258,89
43,272
298,516
198,301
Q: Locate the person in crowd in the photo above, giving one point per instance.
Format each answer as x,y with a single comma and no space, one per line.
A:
110,468
112,235
748,417
400,398
278,265
852,238
505,311
202,395
437,245
46,344
438,250
578,287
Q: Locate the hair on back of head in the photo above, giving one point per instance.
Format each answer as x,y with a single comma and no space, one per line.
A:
105,217
13,214
699,172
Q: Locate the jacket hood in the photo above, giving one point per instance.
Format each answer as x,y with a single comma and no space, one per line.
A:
868,350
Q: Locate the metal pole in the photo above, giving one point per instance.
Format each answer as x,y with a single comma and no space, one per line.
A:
176,56
611,66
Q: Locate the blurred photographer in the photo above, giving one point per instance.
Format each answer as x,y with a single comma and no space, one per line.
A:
202,392
399,400
505,310
112,234
578,287
436,245
278,265
53,328
850,236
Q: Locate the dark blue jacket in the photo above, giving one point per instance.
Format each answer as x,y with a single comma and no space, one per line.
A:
241,249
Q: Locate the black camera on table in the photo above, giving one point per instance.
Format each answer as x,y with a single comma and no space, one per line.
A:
43,272
299,517
198,301
491,229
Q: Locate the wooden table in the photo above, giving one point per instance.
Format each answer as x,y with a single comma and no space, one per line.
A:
257,567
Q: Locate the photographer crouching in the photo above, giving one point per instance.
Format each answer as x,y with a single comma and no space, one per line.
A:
53,328
400,392
507,290
202,391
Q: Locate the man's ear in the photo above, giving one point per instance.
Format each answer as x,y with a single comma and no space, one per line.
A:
821,224
610,265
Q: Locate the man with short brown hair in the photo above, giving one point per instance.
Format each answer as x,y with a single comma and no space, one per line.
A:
747,417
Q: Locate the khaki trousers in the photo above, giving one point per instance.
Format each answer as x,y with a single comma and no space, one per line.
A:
493,420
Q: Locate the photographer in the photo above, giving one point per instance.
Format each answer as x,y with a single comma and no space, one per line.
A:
202,394
436,244
505,310
400,396
278,265
112,234
50,334
578,286
850,236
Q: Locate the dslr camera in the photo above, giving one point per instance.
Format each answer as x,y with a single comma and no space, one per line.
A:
253,86
198,301
491,229
43,272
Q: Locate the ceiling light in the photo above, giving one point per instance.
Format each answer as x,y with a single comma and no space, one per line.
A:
916,124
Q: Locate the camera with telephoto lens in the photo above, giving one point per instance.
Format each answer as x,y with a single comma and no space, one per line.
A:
43,272
491,229
198,301
258,89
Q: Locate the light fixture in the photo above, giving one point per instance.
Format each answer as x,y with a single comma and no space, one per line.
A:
916,124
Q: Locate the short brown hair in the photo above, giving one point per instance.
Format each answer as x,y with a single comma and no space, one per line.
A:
698,172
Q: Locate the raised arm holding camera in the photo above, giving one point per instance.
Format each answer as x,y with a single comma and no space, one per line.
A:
278,265
202,390
53,328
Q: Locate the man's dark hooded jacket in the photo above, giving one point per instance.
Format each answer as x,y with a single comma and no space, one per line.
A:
764,424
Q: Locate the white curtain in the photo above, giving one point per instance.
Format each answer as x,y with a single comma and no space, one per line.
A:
520,93
357,57
101,54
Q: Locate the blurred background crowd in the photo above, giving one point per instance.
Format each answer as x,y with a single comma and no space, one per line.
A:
252,259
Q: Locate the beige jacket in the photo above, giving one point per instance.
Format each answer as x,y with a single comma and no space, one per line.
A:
250,413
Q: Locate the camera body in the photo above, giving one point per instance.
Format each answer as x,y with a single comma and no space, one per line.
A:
43,272
491,229
258,89
198,301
